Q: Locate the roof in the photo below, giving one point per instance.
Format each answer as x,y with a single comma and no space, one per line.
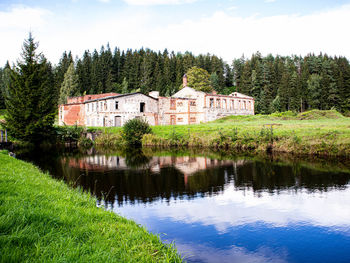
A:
119,96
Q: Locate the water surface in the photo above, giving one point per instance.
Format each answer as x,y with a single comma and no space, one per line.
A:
219,208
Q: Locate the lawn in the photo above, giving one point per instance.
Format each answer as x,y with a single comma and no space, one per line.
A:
44,220
314,132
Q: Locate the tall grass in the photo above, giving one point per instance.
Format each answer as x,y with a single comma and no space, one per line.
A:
43,220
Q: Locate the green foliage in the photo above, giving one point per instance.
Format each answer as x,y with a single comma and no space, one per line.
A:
198,79
69,133
69,87
319,114
134,129
45,220
31,97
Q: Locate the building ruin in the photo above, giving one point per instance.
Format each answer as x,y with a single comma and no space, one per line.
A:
187,106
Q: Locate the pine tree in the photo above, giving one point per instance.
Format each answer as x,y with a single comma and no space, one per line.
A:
69,87
30,102
314,88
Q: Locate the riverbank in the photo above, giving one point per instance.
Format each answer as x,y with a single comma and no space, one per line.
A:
319,133
44,220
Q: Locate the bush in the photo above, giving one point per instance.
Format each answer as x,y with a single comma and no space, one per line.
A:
133,131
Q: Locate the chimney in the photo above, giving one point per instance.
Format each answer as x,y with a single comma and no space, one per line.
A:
184,81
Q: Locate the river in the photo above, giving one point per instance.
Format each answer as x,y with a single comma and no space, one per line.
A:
216,207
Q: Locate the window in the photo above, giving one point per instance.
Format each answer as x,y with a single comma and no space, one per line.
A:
92,106
224,104
193,119
116,105
142,107
211,104
180,119
179,103
96,106
192,103
244,105
172,104
218,103
232,104
105,105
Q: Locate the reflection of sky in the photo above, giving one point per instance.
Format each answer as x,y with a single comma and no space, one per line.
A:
238,226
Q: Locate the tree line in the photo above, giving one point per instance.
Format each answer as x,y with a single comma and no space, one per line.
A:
278,83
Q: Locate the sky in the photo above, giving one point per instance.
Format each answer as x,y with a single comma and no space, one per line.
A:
226,28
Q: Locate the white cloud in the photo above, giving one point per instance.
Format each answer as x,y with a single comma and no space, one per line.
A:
232,8
104,1
270,1
15,24
158,2
21,17
225,34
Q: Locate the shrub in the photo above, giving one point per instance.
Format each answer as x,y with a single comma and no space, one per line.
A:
133,131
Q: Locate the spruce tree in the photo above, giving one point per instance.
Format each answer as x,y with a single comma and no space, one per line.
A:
70,84
30,99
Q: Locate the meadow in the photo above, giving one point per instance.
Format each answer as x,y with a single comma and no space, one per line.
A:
45,220
315,132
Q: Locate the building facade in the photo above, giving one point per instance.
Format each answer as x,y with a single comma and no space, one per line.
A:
187,106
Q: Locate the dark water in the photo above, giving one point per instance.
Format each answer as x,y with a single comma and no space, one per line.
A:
219,208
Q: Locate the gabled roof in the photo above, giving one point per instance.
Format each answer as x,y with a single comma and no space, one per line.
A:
240,95
120,96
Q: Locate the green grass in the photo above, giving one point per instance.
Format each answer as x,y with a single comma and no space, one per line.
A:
322,133
44,220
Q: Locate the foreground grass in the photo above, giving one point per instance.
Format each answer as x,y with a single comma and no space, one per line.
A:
325,133
43,220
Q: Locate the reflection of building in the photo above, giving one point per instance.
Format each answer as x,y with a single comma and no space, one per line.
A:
185,164
187,106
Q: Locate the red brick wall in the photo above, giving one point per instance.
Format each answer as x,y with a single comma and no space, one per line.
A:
73,111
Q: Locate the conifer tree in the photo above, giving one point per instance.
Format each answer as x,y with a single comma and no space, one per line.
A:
69,87
30,102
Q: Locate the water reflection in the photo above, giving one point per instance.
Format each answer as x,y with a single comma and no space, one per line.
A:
221,208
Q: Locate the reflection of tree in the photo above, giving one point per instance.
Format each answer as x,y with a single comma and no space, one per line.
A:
267,175
168,175
135,158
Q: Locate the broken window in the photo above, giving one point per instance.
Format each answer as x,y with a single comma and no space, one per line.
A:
116,105
218,103
211,103
172,104
142,107
192,103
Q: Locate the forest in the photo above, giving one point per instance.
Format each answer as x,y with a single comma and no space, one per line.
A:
278,83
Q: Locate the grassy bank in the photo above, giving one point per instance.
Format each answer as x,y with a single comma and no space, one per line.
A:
325,133
43,220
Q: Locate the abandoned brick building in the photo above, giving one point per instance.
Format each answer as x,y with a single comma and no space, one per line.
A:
187,106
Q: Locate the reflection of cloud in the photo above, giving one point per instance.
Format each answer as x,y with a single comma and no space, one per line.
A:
234,208
234,254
